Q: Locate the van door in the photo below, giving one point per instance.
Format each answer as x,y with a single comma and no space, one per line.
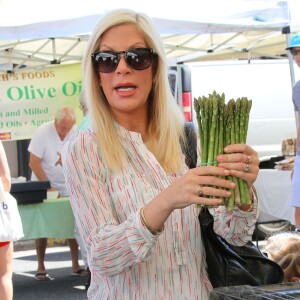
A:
181,85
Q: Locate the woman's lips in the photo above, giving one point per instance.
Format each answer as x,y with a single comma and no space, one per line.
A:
125,88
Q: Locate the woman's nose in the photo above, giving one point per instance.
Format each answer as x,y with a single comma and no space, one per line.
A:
123,66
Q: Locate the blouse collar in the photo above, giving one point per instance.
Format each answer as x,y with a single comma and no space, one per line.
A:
127,134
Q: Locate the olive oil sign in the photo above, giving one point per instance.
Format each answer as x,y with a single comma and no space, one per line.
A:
29,98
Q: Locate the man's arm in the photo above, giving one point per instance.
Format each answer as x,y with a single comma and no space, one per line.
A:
298,133
36,167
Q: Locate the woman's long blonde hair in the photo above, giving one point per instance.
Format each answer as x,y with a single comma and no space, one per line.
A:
165,119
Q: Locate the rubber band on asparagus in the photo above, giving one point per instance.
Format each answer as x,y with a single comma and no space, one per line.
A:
209,163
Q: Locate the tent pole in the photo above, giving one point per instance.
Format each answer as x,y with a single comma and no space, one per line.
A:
179,88
287,32
291,62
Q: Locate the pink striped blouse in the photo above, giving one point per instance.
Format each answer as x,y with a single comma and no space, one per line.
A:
126,260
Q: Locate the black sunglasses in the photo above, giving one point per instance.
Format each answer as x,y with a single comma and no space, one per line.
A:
137,59
294,51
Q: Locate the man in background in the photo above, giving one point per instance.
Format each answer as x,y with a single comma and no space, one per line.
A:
294,48
45,162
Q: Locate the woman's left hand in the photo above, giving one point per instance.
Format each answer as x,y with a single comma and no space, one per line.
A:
242,162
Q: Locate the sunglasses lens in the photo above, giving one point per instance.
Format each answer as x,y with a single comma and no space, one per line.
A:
139,58
294,52
106,61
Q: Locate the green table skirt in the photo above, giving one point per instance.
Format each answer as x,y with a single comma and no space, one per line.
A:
51,219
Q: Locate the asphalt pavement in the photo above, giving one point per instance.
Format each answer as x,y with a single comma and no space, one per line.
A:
58,264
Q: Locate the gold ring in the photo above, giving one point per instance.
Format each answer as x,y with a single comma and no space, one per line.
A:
200,191
248,159
247,169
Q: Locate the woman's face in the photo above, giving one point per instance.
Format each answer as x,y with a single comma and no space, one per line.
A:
297,57
126,89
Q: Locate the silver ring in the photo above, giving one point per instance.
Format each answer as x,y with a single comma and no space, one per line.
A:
200,191
247,169
248,160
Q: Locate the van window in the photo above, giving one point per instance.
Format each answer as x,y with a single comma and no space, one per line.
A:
182,89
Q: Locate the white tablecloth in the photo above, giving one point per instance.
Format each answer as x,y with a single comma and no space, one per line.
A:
274,192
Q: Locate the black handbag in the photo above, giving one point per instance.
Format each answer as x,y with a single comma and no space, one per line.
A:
229,265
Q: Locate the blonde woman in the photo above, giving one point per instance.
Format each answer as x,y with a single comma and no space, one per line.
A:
132,195
6,248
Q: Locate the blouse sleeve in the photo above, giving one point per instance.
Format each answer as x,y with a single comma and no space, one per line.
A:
236,226
113,247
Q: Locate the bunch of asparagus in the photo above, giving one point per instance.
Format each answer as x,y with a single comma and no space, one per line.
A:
221,124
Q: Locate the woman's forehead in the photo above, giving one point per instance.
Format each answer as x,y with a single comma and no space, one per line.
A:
127,33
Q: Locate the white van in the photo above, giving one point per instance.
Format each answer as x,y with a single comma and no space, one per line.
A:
272,118
267,83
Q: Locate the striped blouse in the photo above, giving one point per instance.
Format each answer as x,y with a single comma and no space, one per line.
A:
125,259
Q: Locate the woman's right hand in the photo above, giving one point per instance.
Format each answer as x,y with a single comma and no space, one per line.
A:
201,185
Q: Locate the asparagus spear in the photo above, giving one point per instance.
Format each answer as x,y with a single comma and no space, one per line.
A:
213,128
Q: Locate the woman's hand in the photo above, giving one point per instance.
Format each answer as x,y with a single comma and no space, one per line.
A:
202,185
205,185
241,161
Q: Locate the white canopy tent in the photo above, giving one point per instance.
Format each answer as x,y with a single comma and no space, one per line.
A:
35,34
